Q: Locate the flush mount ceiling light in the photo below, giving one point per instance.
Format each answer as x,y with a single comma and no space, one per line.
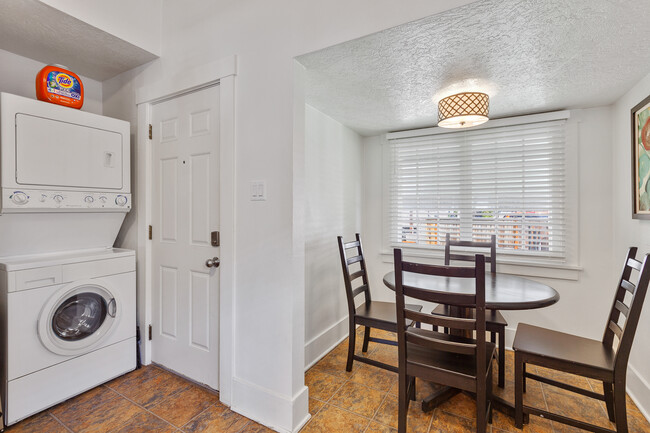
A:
463,110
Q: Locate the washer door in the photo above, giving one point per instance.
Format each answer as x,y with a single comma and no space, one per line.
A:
78,317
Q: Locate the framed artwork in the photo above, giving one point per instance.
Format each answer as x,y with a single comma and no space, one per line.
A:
641,160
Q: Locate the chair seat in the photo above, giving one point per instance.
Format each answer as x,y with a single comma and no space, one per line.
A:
463,364
492,317
382,315
566,348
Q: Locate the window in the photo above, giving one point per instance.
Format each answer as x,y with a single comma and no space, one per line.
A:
503,180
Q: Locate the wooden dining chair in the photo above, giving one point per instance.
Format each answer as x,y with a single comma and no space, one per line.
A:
496,323
604,360
447,359
371,314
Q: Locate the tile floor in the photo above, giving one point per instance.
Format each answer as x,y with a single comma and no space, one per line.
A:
365,400
146,400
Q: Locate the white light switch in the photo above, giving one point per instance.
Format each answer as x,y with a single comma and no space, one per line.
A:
258,190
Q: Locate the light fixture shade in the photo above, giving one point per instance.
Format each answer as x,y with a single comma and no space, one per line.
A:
463,110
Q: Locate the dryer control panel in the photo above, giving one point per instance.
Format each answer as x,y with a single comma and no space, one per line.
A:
34,200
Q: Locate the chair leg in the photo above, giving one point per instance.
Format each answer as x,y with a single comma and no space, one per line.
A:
366,339
519,391
351,344
523,375
403,404
413,390
620,411
481,407
502,357
609,400
489,396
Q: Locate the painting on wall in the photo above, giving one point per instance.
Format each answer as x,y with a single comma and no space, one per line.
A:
641,159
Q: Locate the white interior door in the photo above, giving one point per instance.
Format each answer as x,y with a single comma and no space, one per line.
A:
185,210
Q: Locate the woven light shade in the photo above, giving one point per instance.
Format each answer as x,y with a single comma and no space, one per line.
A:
463,110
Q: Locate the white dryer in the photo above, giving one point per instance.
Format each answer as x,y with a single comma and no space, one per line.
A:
67,298
69,320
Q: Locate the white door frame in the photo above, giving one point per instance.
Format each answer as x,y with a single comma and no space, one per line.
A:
222,72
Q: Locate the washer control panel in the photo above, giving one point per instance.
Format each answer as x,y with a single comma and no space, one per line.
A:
70,201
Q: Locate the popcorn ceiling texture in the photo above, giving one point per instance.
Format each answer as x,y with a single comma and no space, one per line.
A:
530,56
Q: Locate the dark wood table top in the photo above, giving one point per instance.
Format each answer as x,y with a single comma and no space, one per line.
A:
502,291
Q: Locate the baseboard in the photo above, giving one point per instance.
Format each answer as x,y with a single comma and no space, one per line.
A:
327,340
280,413
639,390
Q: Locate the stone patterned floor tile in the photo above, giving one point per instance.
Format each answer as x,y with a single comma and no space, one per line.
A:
358,398
145,422
332,419
181,407
322,385
253,427
417,421
315,406
149,386
42,422
375,427
444,422
374,377
217,418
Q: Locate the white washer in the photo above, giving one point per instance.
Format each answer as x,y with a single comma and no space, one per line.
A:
68,324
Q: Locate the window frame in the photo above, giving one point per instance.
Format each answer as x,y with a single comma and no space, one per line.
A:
509,262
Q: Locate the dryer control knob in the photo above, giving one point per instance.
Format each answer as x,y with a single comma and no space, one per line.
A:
89,199
120,200
19,197
43,197
58,198
103,199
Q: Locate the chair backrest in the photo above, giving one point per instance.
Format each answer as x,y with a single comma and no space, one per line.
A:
467,325
469,257
349,259
627,306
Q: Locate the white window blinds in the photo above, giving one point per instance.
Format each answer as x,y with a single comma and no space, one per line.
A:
506,180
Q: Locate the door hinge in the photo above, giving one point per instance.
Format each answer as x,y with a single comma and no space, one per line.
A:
214,239
150,233
150,332
150,132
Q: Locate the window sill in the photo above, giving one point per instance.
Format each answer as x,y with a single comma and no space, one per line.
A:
506,265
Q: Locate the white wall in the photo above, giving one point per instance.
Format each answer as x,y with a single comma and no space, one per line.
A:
585,302
269,327
137,22
629,232
19,77
333,199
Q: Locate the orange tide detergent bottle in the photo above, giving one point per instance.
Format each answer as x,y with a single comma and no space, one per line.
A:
58,85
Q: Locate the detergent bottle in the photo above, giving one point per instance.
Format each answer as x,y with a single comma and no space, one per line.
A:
58,85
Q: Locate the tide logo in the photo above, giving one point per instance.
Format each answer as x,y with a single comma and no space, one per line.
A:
64,80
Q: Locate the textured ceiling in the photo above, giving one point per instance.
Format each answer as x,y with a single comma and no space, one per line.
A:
32,29
530,56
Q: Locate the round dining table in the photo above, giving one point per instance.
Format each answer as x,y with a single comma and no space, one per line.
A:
502,292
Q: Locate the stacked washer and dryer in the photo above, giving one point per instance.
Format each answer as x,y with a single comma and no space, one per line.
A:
67,297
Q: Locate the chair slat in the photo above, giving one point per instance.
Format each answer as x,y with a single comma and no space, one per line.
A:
359,290
440,344
628,286
634,263
445,271
458,299
357,274
462,257
352,244
617,329
444,321
354,259
622,308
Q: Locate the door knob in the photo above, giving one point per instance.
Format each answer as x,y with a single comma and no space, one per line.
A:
213,262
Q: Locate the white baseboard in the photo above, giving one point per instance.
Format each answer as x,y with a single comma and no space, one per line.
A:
639,390
327,340
282,414
637,387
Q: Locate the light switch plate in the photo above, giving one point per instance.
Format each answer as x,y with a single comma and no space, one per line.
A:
258,190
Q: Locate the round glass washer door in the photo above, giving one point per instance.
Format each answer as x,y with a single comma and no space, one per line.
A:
78,317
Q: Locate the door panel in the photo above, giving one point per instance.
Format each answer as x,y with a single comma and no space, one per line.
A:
185,208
